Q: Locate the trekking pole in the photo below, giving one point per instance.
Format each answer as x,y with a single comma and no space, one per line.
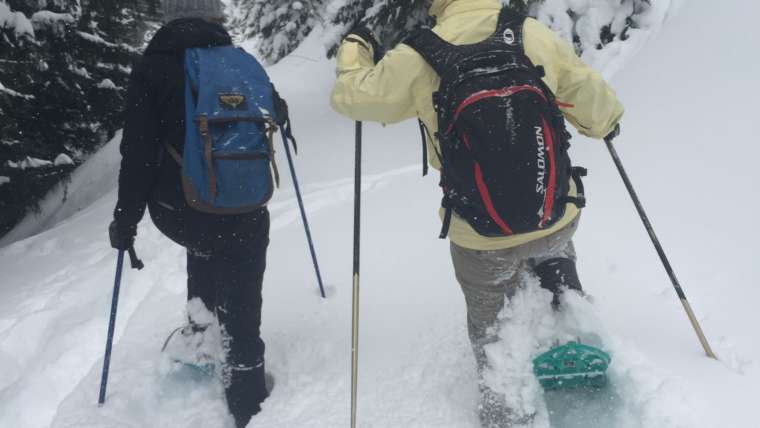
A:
355,294
137,264
658,247
303,211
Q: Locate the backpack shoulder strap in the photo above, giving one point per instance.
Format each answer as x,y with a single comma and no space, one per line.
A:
509,29
436,51
444,56
174,153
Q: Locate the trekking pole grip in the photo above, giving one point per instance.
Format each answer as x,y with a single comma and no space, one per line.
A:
658,247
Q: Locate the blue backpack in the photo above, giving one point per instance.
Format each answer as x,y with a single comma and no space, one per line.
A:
230,119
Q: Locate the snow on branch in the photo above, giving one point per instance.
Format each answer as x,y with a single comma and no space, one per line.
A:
13,93
29,162
16,21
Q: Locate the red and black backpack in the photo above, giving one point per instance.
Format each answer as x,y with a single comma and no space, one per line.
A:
505,166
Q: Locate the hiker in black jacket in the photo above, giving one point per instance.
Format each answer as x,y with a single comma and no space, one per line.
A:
226,254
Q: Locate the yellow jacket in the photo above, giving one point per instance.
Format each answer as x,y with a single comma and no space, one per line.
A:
401,85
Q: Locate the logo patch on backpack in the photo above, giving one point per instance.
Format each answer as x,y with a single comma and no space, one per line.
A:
509,36
233,101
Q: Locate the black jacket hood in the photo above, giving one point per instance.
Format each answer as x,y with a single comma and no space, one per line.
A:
183,34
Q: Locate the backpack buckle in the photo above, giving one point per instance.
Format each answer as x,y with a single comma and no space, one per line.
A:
579,171
203,126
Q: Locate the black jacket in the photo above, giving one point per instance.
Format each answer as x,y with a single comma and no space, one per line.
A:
155,115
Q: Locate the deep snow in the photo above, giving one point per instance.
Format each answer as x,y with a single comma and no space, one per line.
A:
689,94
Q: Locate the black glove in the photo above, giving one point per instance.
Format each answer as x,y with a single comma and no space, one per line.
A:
122,238
363,34
615,132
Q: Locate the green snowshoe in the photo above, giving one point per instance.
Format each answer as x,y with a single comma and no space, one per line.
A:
572,365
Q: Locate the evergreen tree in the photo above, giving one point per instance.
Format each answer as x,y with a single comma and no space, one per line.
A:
589,24
62,85
279,26
390,20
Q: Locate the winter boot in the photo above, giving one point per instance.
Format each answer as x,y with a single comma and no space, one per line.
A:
557,275
246,387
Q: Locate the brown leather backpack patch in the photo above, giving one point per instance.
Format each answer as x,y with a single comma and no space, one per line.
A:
232,101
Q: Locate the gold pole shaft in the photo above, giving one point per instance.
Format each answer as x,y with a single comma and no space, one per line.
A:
354,348
698,329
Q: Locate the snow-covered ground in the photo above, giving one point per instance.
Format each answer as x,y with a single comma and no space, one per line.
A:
92,181
689,94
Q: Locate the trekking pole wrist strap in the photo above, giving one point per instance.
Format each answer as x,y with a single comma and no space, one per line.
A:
133,260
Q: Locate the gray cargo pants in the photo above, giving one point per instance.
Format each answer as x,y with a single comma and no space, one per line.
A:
488,277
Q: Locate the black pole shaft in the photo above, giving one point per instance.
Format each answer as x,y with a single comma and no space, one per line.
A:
660,250
111,327
303,214
357,197
645,220
355,293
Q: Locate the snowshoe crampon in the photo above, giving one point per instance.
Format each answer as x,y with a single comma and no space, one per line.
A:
572,365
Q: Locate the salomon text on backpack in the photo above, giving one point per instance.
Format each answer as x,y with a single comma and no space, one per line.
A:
230,118
504,162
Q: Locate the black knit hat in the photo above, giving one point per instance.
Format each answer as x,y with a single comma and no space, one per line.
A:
212,10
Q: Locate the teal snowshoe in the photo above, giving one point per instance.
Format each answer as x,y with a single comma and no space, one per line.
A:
572,365
191,349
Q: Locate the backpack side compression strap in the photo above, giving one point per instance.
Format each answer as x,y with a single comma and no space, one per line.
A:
423,131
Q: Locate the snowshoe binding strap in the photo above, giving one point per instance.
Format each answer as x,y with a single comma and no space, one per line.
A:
195,328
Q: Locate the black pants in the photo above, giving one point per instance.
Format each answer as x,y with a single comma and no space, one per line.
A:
226,259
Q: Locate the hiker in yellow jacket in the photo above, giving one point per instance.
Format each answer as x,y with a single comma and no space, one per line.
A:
400,85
